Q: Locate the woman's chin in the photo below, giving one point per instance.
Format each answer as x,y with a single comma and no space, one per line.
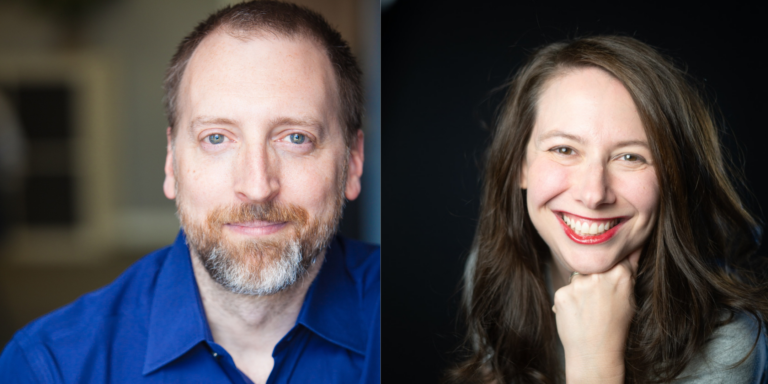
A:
591,265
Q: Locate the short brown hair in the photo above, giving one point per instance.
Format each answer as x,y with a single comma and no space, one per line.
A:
282,19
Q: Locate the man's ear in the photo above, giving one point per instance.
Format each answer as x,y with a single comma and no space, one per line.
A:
169,185
355,170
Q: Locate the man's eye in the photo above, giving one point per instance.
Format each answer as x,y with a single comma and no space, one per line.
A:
297,138
216,138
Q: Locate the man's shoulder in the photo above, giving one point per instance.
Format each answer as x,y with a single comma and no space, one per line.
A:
363,261
125,301
360,254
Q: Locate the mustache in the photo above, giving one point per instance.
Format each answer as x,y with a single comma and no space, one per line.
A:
271,211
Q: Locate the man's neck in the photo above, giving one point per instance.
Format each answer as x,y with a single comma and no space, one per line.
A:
249,327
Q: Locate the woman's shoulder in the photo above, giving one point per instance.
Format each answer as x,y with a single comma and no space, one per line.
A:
718,361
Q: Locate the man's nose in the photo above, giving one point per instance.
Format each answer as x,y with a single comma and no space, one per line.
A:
592,185
256,179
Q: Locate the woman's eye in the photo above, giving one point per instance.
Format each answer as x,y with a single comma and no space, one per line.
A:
564,151
216,138
297,138
631,157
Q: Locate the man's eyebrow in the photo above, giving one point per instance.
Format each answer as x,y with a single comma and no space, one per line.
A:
276,122
322,129
208,120
301,122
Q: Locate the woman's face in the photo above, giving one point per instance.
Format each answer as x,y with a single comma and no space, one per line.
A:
592,191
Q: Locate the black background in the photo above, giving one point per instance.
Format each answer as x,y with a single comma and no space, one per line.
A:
440,62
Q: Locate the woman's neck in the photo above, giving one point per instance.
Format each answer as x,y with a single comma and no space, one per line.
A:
558,274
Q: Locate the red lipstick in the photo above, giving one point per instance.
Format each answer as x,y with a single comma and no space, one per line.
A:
589,240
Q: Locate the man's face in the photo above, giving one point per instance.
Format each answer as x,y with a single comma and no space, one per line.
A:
259,165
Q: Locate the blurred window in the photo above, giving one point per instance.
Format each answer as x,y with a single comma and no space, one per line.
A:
45,114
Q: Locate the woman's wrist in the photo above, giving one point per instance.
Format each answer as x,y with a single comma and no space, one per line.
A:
594,368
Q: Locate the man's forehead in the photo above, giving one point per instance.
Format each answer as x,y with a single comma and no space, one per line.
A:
290,56
276,64
260,68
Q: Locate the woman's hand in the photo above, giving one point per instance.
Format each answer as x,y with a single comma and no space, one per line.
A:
593,313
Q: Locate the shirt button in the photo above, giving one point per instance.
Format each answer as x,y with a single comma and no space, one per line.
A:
215,354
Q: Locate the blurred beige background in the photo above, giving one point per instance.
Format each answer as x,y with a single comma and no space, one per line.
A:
82,184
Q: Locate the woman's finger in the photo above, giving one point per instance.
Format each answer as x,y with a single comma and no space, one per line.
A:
573,276
632,261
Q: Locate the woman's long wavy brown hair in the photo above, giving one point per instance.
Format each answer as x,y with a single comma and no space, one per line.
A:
688,273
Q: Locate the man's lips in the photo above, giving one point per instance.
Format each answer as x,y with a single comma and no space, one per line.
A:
585,230
256,228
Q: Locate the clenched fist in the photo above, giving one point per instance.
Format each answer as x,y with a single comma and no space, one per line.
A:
593,314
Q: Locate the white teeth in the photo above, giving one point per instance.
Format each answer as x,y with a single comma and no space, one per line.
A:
585,229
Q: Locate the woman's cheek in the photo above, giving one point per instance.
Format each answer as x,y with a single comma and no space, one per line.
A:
547,180
641,191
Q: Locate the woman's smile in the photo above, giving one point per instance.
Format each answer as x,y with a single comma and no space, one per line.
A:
588,231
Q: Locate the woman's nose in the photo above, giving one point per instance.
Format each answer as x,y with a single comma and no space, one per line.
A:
592,186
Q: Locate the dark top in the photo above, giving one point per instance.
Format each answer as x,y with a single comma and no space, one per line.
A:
149,326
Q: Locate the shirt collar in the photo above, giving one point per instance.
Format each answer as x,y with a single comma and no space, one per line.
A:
176,298
332,309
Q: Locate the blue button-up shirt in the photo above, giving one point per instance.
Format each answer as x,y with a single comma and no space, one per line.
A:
149,326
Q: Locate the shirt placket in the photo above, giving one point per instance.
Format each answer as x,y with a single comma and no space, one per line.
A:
227,364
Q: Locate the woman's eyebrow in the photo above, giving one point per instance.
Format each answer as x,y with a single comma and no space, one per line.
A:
578,139
628,143
569,136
